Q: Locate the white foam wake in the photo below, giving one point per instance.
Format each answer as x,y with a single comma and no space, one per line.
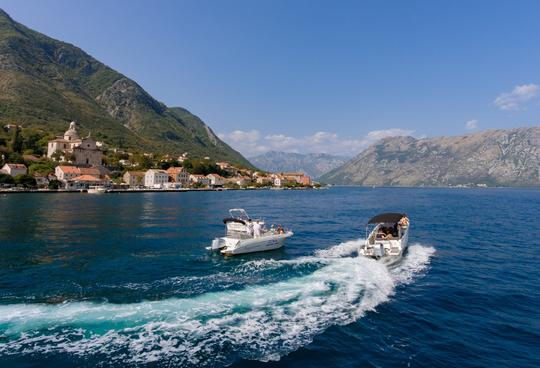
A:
261,322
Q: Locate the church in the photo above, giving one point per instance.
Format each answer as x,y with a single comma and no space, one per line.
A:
84,151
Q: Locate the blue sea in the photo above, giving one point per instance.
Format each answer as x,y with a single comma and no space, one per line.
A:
125,280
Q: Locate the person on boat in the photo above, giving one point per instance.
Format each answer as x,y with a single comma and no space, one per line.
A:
280,230
250,227
388,233
404,222
384,233
256,229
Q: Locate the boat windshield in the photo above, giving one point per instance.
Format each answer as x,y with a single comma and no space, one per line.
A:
239,213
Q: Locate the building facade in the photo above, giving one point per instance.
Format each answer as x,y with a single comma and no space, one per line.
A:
134,178
83,151
178,175
155,178
14,169
216,180
201,179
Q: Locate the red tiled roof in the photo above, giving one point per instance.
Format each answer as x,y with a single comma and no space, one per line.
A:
70,169
16,166
86,178
136,173
175,170
89,171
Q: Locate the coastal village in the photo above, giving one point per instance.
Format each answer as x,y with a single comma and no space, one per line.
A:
75,163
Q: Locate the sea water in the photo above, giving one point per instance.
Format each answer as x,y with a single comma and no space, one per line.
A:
125,280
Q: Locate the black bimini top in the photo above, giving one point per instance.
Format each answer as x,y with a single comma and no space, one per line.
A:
390,217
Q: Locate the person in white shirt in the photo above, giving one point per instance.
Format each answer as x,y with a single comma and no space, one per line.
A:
256,229
250,227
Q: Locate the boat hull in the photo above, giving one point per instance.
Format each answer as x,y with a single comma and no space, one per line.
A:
233,247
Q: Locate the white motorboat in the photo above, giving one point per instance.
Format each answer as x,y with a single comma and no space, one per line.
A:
244,235
96,189
388,237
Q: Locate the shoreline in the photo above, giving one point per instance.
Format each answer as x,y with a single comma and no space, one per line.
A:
149,190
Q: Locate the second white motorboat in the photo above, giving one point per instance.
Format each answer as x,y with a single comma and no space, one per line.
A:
244,235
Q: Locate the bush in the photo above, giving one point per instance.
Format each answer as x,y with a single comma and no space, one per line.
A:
231,185
6,179
26,181
42,168
55,184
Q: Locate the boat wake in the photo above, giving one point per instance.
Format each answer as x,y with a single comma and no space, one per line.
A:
261,322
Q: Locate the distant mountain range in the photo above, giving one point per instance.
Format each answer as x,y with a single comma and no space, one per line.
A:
46,83
312,164
493,157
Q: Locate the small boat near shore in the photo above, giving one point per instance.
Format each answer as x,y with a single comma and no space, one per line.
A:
96,189
387,236
244,235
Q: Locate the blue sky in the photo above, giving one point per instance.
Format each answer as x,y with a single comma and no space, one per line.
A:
313,76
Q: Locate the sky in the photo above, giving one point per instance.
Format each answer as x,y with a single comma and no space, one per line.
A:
316,76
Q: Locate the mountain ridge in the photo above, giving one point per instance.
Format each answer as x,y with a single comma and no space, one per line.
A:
496,157
312,164
46,83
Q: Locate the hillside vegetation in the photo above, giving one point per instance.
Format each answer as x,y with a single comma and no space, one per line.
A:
45,84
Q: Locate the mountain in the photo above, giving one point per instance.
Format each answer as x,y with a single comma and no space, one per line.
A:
46,83
493,157
313,164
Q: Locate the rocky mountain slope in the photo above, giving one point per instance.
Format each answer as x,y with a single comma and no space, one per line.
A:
313,164
493,157
46,83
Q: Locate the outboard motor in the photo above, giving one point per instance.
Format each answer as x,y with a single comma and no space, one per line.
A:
378,250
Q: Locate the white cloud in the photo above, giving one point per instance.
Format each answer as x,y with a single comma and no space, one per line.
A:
518,96
471,124
252,143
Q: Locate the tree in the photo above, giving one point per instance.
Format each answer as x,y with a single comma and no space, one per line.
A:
6,179
55,184
42,168
16,142
25,180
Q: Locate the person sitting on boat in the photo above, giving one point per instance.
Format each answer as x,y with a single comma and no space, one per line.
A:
280,230
256,229
384,233
381,233
388,234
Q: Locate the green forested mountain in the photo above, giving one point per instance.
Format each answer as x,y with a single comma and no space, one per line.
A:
45,84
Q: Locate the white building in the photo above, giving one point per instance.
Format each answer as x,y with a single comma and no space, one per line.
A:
14,169
155,178
216,180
